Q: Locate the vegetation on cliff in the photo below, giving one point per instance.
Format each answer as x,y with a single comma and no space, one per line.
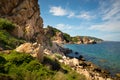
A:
7,41
6,25
21,66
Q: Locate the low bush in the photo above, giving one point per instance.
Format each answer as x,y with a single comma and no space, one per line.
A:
6,25
7,41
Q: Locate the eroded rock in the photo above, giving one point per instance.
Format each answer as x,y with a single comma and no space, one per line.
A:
36,50
25,14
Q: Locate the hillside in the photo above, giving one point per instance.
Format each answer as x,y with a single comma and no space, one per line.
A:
60,37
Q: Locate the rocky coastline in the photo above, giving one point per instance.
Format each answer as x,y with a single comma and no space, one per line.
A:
60,37
25,14
91,71
82,66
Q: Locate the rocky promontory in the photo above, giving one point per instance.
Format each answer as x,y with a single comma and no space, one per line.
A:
64,38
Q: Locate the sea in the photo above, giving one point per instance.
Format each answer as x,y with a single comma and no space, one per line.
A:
106,54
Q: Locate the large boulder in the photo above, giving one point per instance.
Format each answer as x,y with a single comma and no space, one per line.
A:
36,50
74,62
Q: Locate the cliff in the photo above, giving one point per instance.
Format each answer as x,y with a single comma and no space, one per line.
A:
60,37
25,14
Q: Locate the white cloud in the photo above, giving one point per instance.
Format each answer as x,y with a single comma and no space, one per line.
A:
113,11
58,11
110,14
110,26
85,15
110,9
71,14
111,37
63,26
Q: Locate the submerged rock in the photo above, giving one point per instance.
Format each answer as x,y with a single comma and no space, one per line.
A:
76,53
81,58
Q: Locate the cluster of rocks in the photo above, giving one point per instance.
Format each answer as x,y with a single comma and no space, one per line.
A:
57,48
34,49
91,71
37,50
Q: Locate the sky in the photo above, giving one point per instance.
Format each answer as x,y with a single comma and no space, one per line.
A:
97,18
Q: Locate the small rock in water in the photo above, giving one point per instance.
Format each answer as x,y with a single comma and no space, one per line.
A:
76,53
81,58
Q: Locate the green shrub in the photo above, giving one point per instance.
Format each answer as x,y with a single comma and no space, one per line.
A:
6,25
19,58
59,56
67,37
5,77
2,60
74,39
33,65
7,41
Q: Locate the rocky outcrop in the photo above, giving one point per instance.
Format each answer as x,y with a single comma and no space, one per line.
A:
86,40
36,50
62,38
91,71
57,48
59,38
25,14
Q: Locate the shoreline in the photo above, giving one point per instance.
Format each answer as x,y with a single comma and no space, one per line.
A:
104,72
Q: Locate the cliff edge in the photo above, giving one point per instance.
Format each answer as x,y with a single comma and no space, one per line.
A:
25,14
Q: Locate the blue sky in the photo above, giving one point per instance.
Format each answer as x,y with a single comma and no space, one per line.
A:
97,18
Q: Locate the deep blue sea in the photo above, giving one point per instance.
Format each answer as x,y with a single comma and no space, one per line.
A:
105,55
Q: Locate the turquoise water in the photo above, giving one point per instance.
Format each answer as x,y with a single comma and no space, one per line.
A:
106,54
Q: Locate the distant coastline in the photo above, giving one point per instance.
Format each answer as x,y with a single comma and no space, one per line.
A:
62,38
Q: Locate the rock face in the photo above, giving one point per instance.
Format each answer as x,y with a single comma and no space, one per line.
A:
59,37
25,14
86,40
